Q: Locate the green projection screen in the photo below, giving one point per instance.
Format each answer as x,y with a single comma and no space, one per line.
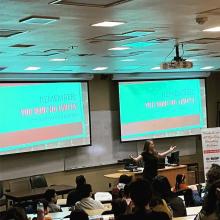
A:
166,108
42,116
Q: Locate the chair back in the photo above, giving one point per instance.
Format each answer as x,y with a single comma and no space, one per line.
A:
19,185
38,181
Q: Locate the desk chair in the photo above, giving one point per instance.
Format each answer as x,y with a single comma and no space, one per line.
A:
38,181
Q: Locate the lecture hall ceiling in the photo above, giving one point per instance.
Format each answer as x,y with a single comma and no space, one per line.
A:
46,36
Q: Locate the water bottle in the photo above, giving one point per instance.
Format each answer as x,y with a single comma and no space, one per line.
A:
40,211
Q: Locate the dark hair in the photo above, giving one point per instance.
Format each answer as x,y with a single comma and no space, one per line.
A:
79,215
85,190
49,194
80,180
119,207
209,205
179,179
162,188
212,175
147,145
140,193
125,179
15,213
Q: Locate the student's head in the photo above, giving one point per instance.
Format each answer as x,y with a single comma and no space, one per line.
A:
119,207
15,213
213,174
125,179
212,198
51,196
161,186
85,190
80,180
140,193
149,146
79,215
180,178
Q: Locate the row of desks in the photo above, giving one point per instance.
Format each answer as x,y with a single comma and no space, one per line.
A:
38,193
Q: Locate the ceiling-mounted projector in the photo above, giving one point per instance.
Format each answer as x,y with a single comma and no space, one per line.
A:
177,62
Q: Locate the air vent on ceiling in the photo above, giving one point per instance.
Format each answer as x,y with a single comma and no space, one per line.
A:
40,53
9,33
110,37
22,45
90,3
36,19
203,41
215,11
2,68
71,68
195,49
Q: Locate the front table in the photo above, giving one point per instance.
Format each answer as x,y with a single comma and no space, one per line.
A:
169,172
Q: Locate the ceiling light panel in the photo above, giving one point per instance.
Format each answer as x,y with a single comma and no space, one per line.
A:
107,24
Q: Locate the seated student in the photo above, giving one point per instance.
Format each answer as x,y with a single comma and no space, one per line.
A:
212,175
211,206
51,197
118,191
78,215
15,213
74,195
87,202
141,193
162,187
159,205
119,207
191,197
180,183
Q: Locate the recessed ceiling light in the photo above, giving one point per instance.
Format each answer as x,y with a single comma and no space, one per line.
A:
191,60
128,60
107,24
207,67
119,48
57,59
32,68
156,68
100,68
214,29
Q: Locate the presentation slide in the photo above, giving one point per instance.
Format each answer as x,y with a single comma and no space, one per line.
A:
158,109
42,116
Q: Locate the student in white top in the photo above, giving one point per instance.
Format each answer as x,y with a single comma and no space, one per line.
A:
87,202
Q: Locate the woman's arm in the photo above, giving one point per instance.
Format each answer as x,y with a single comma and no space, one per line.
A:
164,154
136,159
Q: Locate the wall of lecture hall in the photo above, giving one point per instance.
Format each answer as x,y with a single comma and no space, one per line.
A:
104,96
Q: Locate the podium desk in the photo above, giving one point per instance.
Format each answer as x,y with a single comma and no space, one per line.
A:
169,172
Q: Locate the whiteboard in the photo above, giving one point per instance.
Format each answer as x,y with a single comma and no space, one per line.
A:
106,147
29,164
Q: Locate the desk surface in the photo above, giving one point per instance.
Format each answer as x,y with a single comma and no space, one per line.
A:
37,193
129,173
